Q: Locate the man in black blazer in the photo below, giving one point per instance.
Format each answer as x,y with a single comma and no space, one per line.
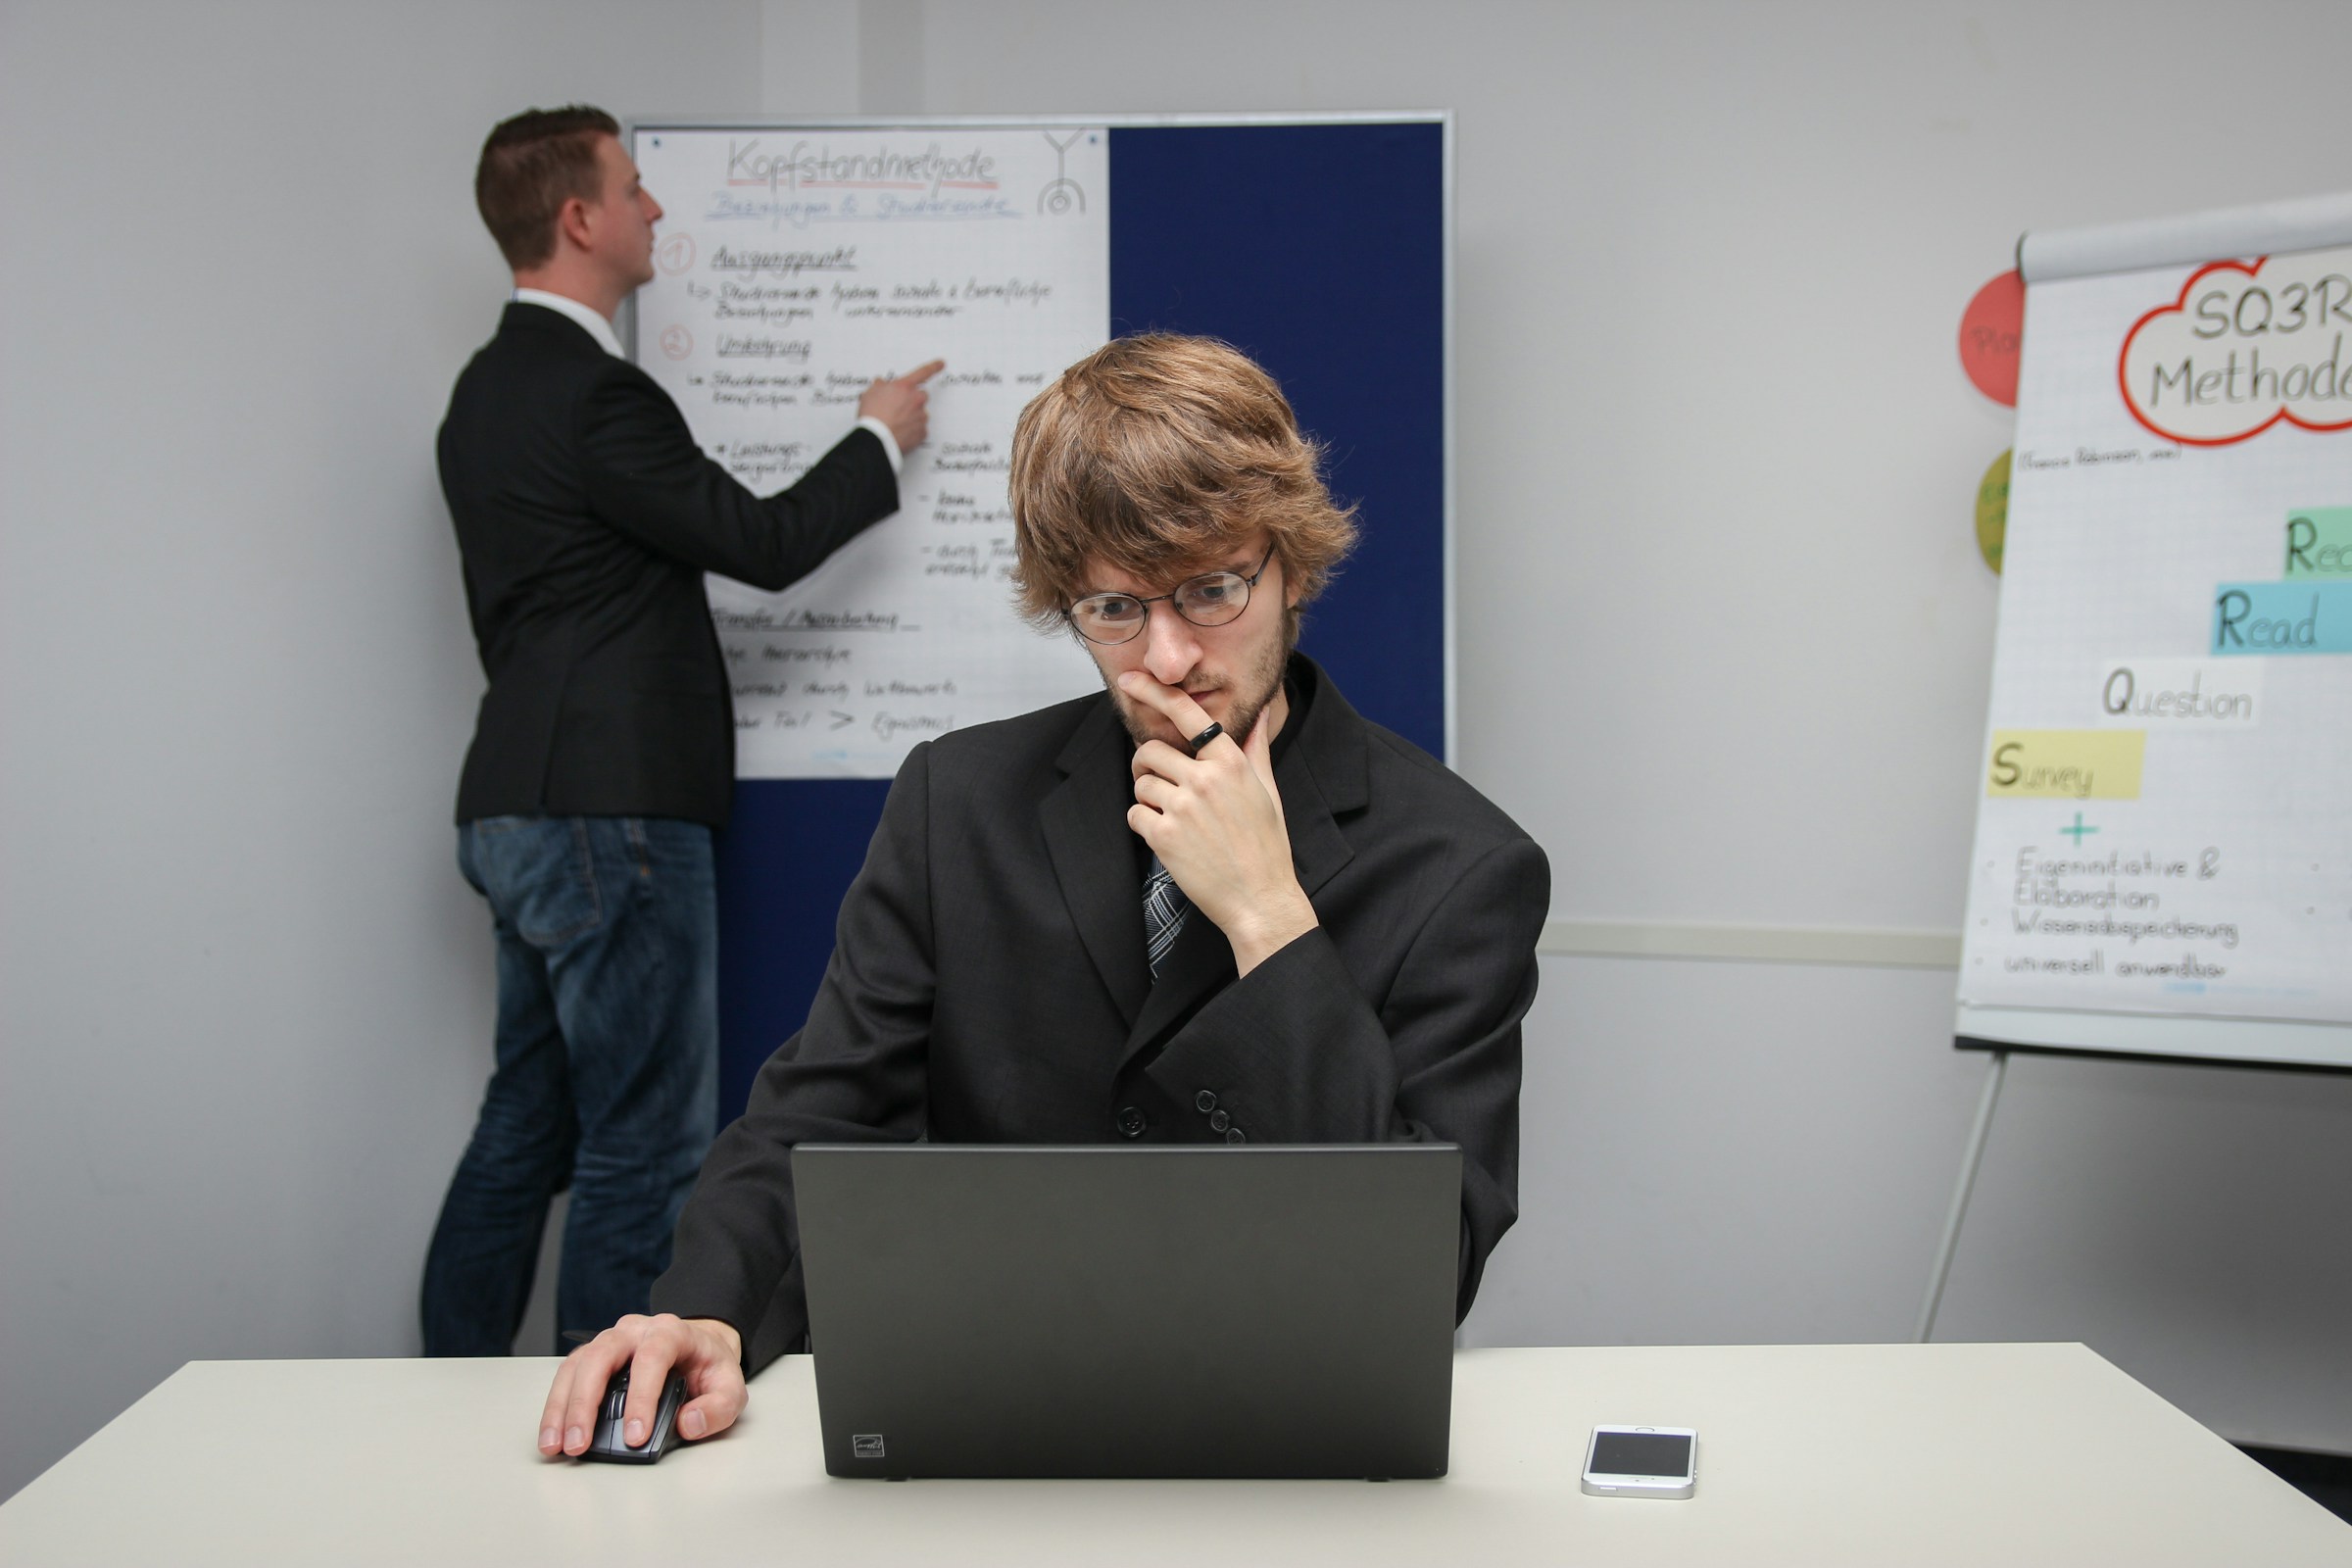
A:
602,755
1214,905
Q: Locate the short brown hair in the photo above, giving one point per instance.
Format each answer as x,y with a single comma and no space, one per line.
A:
1155,451
530,166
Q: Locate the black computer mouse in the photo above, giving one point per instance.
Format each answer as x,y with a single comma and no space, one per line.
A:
607,1443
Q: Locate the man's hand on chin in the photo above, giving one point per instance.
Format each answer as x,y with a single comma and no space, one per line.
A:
1215,822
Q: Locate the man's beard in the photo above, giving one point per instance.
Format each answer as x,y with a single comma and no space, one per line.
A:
1260,682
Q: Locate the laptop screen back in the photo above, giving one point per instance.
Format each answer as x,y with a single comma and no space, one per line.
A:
1107,1311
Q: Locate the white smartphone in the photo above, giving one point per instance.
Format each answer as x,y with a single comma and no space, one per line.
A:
1641,1463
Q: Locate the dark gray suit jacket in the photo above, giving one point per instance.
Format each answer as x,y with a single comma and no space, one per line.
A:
988,985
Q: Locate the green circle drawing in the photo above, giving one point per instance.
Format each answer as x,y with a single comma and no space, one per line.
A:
1992,511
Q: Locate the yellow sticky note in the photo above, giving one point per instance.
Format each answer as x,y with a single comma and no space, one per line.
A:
2067,764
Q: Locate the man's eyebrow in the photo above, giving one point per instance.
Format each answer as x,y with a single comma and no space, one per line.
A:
1239,563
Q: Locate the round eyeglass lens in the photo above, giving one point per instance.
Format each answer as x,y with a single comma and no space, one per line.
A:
1109,618
1213,600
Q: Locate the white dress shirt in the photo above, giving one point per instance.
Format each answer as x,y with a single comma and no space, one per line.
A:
601,329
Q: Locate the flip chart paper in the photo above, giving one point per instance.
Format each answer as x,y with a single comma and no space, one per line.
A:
2171,432
792,269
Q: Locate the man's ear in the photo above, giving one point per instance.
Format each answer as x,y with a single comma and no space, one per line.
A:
572,221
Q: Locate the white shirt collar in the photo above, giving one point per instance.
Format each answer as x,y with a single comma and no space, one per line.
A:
597,327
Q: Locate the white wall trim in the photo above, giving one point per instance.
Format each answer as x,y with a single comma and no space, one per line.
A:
1751,943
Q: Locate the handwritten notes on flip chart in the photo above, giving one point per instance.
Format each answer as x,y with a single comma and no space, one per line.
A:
792,269
2165,816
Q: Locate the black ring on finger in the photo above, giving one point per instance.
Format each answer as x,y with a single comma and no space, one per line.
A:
1214,730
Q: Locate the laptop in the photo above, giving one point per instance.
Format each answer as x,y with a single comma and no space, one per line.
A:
1253,1310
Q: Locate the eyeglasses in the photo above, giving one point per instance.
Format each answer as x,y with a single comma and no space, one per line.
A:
1211,598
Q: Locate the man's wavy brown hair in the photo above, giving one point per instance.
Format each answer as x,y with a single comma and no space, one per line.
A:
1155,452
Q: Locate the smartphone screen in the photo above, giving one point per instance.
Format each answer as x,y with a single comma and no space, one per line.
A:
1641,1453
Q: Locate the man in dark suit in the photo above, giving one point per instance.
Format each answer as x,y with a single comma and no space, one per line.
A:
1214,905
603,758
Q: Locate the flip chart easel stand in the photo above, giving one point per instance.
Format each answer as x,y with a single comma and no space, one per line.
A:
1968,1164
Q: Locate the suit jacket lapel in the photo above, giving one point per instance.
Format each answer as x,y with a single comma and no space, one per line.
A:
1319,848
1323,778
1085,821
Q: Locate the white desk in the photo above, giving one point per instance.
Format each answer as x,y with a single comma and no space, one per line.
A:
1897,1454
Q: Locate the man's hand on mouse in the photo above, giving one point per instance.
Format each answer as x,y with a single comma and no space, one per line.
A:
1215,822
707,1352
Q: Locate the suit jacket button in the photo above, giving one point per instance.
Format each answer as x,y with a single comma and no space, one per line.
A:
1234,1135
1132,1122
1218,1121
1206,1100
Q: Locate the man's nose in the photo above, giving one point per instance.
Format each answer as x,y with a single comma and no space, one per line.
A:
1170,648
652,208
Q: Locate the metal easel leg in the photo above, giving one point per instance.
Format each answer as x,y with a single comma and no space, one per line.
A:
1969,1162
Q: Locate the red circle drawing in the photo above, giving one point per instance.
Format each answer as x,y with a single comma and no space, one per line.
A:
1990,330
676,342
675,254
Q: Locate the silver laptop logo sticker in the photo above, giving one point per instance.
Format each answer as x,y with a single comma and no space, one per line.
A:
866,1445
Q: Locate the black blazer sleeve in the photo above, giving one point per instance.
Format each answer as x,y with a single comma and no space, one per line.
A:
647,479
855,1073
1295,1053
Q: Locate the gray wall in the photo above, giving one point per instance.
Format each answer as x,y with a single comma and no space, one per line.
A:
244,996
1727,657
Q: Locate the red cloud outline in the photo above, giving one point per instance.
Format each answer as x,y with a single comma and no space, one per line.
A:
2122,383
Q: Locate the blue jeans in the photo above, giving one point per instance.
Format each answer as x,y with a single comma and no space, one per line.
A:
606,1077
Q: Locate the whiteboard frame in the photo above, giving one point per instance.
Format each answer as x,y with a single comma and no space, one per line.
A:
1441,117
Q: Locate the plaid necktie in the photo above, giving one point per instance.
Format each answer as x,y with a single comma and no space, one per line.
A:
1165,909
